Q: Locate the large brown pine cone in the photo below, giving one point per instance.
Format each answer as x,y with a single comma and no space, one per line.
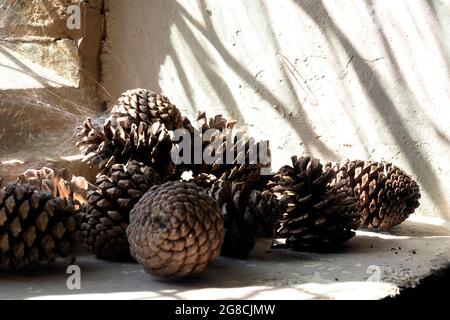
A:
231,148
142,105
107,214
34,226
175,230
259,206
138,128
318,215
263,213
232,198
386,194
147,143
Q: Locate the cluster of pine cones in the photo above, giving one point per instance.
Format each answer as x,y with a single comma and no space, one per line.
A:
142,206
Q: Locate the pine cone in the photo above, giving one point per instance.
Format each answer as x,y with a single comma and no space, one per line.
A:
386,194
107,214
149,144
60,183
318,215
235,143
260,209
138,128
232,198
89,138
263,212
142,105
34,226
175,230
204,180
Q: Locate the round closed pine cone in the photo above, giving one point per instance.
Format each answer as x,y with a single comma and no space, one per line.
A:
175,230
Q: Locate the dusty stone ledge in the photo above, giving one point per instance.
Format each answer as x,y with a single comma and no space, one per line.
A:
11,169
361,271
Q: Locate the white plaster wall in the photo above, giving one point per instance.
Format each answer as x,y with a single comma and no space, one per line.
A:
332,78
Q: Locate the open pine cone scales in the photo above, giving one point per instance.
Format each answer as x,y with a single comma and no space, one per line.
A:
147,143
386,194
107,214
263,212
34,226
175,230
232,198
89,138
138,128
233,155
59,183
318,215
142,105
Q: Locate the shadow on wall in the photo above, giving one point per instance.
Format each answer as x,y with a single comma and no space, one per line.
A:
441,30
166,16
149,66
43,95
36,121
441,135
386,108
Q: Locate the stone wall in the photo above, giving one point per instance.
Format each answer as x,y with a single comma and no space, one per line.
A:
49,72
336,79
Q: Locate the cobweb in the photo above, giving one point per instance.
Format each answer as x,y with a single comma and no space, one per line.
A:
39,124
33,129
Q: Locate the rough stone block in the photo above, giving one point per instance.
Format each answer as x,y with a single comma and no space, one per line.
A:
43,18
39,64
48,76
